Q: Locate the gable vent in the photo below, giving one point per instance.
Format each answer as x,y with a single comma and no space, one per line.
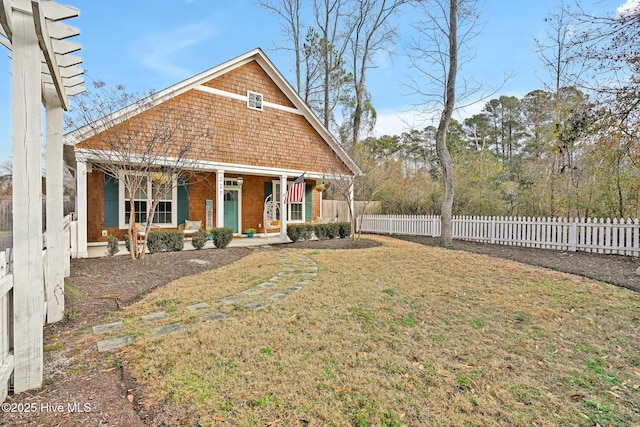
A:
254,100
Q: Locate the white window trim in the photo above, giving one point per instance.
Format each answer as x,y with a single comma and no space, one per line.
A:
255,95
232,184
121,201
304,205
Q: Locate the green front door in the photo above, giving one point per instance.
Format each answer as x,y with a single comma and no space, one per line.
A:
231,209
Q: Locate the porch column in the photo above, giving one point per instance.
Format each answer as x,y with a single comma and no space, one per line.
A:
81,208
220,198
283,209
55,211
28,295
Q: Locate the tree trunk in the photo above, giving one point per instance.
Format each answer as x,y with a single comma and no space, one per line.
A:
446,236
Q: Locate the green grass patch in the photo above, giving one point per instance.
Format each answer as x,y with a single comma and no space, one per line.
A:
395,335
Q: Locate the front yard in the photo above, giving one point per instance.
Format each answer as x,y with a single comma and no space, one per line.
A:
395,335
399,334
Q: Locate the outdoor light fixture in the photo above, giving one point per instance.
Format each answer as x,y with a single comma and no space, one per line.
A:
239,180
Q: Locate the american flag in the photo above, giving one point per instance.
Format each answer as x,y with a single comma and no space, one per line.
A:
295,192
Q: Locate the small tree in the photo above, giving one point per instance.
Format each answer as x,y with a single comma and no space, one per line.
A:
138,140
365,186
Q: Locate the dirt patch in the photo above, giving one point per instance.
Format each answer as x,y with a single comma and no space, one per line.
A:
615,269
76,373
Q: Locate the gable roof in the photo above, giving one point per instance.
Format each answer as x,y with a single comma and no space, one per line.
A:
257,55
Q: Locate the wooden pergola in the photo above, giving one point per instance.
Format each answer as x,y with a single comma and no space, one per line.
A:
43,70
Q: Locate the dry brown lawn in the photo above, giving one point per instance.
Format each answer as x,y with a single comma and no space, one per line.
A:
400,334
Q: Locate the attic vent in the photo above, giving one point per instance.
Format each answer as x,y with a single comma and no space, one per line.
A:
254,100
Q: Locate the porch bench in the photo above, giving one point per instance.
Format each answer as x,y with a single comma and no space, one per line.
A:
190,227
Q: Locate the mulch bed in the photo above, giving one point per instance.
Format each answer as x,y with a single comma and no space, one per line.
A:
107,284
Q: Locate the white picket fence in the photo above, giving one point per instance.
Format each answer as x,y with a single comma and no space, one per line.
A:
6,323
605,236
7,360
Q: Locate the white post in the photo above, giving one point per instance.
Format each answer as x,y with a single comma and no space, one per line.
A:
55,218
28,298
81,208
219,198
283,209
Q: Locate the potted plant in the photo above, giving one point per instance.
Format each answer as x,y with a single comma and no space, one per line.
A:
249,232
320,187
159,178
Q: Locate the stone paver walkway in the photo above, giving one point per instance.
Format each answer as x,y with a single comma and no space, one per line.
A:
298,271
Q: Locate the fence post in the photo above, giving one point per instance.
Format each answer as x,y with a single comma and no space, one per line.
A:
573,236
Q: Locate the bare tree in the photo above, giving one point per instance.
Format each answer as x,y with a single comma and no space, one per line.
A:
373,31
558,54
441,38
289,11
363,187
146,144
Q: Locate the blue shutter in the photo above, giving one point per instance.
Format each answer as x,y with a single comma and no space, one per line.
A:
308,203
183,200
268,189
111,202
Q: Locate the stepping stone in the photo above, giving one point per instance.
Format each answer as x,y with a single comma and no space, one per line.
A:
303,282
216,317
276,279
255,305
267,285
199,261
309,274
106,345
284,273
293,288
106,328
231,300
252,291
158,315
198,306
314,268
278,297
167,329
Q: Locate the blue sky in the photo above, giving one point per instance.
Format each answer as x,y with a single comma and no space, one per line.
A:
153,44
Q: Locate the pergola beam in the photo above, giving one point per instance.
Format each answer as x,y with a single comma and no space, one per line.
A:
49,53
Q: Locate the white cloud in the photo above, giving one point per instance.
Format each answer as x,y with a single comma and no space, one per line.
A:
628,7
161,52
397,122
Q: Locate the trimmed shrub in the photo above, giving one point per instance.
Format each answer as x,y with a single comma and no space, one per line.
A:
307,232
294,232
198,239
298,232
344,229
112,245
165,241
222,236
326,231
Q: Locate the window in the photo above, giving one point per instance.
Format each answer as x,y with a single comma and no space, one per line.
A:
254,100
295,211
139,203
165,213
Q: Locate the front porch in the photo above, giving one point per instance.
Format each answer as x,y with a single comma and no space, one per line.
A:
213,199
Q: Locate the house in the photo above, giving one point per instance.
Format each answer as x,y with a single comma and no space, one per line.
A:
261,137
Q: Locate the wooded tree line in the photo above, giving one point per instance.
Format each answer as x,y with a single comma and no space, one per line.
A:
515,157
569,149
